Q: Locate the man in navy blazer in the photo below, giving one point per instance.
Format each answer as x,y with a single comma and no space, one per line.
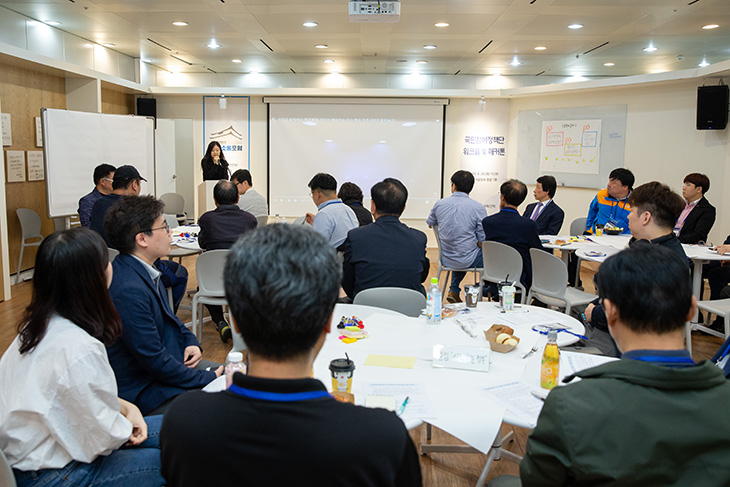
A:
695,222
509,228
157,357
386,253
546,214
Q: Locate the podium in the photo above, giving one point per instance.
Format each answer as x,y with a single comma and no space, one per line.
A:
205,197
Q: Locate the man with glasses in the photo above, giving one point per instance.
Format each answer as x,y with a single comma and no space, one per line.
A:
128,182
249,199
103,179
157,357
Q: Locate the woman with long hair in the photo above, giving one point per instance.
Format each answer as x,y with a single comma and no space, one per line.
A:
214,163
61,421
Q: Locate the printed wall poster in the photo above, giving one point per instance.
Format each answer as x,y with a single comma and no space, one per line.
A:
15,163
35,165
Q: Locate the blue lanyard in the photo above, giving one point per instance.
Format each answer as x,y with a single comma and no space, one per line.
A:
277,396
679,361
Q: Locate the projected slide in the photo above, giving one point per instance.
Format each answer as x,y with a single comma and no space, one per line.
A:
358,143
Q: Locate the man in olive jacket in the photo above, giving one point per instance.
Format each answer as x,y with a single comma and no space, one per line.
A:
650,418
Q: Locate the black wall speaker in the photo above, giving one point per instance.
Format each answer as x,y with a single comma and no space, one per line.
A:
712,107
147,107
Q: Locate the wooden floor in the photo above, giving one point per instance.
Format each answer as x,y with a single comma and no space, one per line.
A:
439,469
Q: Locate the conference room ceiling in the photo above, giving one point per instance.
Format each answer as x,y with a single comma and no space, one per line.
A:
483,36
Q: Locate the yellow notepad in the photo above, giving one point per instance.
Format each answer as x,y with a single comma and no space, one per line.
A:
395,361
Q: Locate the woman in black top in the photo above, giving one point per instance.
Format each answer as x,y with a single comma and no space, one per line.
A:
214,163
351,195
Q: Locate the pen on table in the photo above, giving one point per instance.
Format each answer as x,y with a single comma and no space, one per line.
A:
403,406
537,396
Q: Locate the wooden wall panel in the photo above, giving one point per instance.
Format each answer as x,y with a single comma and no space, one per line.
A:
23,93
116,102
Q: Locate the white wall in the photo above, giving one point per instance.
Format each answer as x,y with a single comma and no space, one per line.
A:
662,143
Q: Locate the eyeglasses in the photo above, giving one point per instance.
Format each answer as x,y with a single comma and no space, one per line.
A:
108,179
165,226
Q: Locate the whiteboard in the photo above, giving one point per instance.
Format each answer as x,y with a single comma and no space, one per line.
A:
571,146
74,143
607,144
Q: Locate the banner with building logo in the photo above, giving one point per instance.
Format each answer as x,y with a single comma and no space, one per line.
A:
227,120
483,148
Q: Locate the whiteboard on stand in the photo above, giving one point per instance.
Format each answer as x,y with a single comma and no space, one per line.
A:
74,143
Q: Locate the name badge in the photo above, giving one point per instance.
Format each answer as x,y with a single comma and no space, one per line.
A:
466,358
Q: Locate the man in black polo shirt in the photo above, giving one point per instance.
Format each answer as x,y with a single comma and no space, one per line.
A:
278,426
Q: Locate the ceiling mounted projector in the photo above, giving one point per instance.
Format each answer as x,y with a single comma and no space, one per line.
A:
374,11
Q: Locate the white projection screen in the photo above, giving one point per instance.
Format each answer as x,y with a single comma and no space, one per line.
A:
360,141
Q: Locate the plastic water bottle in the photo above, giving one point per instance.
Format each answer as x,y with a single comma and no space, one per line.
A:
278,219
550,367
433,305
234,363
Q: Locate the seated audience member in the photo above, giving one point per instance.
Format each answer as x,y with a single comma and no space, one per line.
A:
647,419
609,206
61,420
718,275
351,195
387,253
654,209
103,178
509,228
128,182
459,219
219,229
334,218
546,214
698,216
277,425
249,199
157,357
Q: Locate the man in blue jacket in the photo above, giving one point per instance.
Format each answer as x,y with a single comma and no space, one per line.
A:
509,228
157,357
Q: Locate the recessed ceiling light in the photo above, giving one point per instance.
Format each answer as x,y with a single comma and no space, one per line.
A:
429,46
328,61
321,46
328,140
107,44
441,24
255,73
180,23
235,60
213,44
421,61
515,62
52,22
609,64
703,63
706,27
310,24
650,48
334,71
575,26
540,48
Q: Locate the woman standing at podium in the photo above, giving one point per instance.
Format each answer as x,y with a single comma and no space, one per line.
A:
215,166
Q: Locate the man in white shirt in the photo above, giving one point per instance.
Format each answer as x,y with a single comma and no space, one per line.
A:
459,219
248,198
334,218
